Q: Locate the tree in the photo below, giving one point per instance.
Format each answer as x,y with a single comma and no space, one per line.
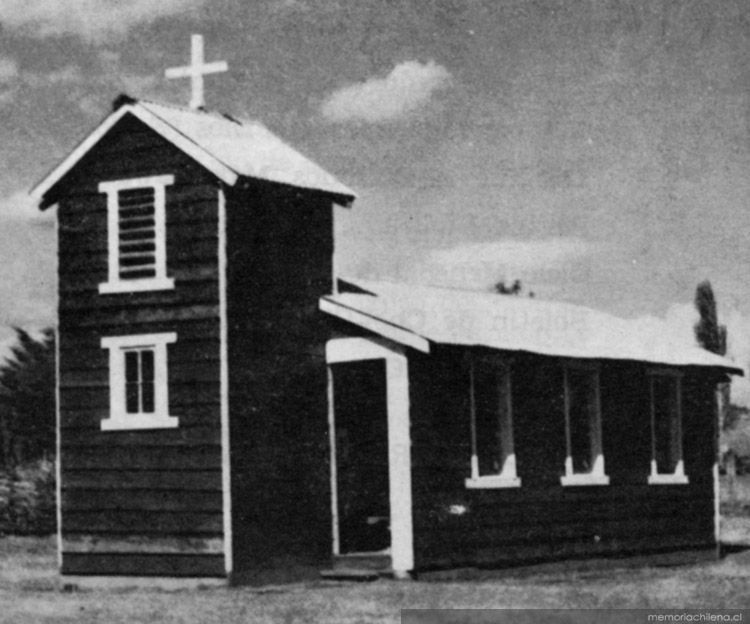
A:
709,334
27,399
713,337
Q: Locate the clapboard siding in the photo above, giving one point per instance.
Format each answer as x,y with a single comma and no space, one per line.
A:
81,342
157,564
120,522
197,414
97,499
187,434
138,318
149,482
183,394
543,520
280,247
146,457
137,479
95,543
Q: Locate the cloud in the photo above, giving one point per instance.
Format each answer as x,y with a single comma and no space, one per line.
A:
13,79
8,70
93,20
69,74
27,274
284,6
543,262
20,207
522,254
408,87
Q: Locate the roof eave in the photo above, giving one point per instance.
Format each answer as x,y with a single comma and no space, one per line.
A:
366,321
421,342
345,200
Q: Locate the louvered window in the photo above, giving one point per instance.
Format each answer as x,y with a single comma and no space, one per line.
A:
137,227
136,224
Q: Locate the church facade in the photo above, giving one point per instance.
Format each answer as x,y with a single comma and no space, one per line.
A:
228,409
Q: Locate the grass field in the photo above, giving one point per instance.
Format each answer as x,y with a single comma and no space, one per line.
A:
30,593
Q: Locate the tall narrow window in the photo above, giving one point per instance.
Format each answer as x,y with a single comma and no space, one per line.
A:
138,382
136,234
493,460
667,465
584,459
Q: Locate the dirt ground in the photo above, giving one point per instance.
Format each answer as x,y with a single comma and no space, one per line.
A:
30,592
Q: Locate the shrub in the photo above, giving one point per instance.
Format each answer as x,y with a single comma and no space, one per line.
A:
27,499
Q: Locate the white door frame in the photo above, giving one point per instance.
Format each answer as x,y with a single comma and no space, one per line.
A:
341,350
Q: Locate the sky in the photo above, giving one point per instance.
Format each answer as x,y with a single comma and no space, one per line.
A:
597,150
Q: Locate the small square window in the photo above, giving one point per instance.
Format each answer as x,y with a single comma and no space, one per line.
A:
136,234
138,382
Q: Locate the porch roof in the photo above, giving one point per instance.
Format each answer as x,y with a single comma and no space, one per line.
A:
419,315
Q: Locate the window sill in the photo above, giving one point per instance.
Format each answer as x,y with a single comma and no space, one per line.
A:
139,421
136,285
584,479
492,482
668,479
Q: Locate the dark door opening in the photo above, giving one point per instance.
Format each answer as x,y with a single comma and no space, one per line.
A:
361,422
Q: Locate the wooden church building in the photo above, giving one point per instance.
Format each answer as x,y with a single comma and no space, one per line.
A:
225,410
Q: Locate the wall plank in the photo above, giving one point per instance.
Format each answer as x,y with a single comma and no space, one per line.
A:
158,564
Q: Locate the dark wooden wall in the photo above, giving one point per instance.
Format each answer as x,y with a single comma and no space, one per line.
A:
280,247
542,520
140,502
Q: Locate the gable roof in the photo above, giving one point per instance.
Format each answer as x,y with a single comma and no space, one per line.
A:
229,148
419,315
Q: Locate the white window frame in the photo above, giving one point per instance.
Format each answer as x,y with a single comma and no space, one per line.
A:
597,475
507,478
678,477
114,283
119,419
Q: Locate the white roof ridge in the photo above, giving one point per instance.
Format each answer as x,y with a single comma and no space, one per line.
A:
214,113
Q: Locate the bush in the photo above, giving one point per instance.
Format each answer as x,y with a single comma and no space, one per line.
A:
27,400
27,499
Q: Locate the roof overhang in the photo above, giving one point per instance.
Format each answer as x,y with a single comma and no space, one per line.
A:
357,309
383,328
212,164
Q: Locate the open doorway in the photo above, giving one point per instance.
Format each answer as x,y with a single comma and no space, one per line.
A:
361,439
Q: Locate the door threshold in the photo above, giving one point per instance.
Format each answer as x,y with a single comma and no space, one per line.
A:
374,561
386,552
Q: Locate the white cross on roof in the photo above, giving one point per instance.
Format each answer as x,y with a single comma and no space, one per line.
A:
196,70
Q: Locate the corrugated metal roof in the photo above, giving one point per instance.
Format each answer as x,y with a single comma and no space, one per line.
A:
248,148
468,318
